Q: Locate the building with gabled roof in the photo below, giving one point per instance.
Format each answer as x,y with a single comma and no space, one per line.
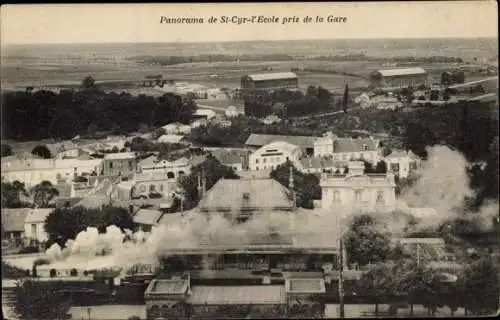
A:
402,162
13,224
269,81
257,140
34,230
271,155
246,195
347,149
398,78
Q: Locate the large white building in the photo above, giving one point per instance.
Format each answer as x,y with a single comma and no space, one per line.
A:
347,149
358,192
34,171
270,156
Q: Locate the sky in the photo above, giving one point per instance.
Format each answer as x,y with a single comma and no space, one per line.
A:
129,23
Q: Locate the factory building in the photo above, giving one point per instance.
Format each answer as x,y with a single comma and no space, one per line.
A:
269,81
398,78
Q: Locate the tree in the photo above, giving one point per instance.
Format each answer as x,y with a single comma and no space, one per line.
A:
366,242
43,193
480,284
345,99
158,133
11,194
88,82
6,150
65,223
36,300
42,152
211,170
118,217
306,185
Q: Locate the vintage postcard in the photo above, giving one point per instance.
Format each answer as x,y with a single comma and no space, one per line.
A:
250,160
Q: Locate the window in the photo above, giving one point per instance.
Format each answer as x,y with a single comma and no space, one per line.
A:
33,231
257,161
130,166
265,167
287,159
111,165
161,187
278,159
152,188
365,147
395,167
264,160
380,197
358,194
257,168
336,196
142,188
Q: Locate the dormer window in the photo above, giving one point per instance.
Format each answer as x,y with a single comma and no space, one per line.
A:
365,147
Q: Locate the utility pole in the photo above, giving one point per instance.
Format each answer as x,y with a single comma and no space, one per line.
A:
341,279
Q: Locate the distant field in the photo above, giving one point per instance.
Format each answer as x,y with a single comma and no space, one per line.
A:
212,75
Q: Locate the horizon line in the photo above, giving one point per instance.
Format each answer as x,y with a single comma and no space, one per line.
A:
257,40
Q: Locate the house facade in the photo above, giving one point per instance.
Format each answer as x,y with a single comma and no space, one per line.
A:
402,163
357,191
119,164
34,231
347,149
272,155
34,171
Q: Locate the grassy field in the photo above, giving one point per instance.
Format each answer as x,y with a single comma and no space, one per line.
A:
218,74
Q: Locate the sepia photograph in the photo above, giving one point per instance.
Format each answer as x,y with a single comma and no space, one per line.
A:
306,160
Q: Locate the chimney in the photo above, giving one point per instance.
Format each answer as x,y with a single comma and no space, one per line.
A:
204,184
292,189
199,185
356,168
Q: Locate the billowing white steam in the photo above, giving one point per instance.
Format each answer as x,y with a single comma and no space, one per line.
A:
442,185
191,232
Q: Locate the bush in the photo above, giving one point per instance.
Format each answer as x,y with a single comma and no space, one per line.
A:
29,249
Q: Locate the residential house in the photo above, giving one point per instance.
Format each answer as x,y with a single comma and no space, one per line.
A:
402,162
256,141
145,183
171,138
233,112
321,164
64,150
238,161
100,195
119,164
115,142
173,169
204,114
356,191
274,154
199,123
271,119
34,171
13,225
34,231
347,149
177,128
145,219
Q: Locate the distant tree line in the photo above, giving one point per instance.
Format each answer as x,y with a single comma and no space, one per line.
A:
289,103
88,111
172,60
